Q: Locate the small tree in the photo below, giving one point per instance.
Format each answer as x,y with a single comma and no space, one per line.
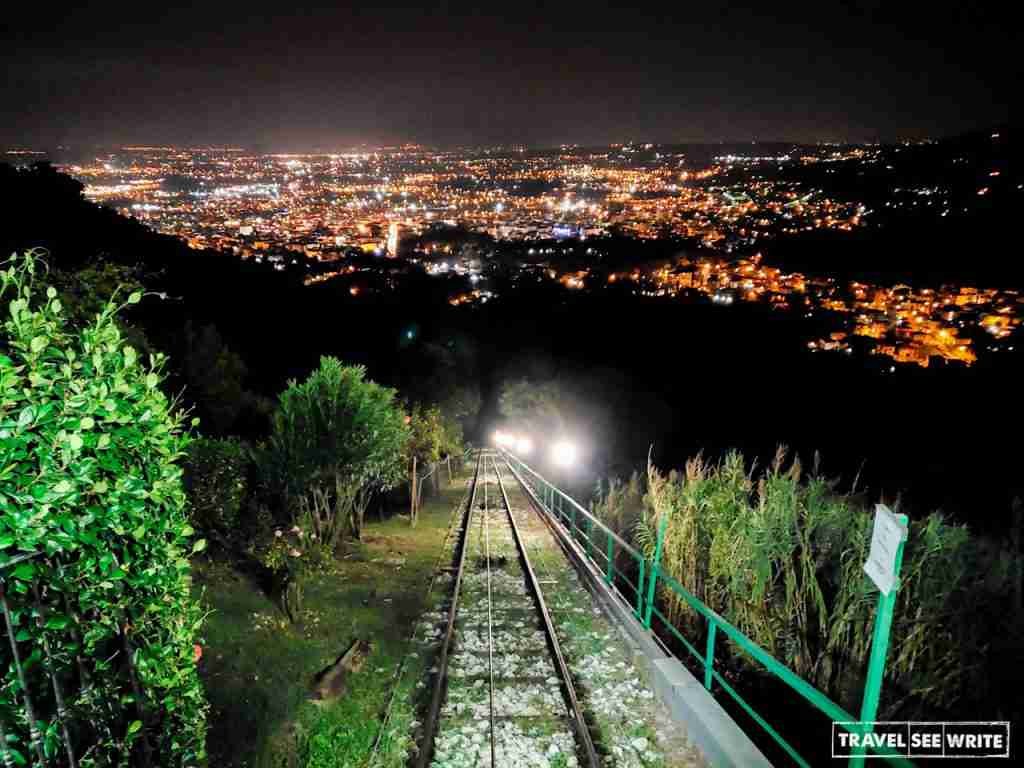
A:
452,444
541,405
424,449
336,439
94,542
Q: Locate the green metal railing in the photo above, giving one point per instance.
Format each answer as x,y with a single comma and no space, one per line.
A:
604,548
568,511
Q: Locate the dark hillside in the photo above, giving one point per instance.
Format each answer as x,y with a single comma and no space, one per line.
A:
975,180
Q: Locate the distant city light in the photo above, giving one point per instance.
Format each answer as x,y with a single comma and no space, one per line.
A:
320,212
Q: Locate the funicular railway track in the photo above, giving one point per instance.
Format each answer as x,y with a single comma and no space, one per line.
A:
502,694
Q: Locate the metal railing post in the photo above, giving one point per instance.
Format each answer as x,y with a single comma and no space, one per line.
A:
879,650
640,591
655,566
709,656
610,574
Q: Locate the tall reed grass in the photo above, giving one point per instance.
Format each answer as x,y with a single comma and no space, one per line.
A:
780,552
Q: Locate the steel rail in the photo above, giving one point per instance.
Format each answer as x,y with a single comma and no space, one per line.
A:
400,668
626,546
594,579
576,718
490,633
426,751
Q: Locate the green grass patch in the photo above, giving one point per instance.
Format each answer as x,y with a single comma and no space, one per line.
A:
258,669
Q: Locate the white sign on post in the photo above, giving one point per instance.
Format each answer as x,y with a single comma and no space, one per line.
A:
885,540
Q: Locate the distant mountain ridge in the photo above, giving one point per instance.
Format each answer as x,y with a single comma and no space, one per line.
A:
945,211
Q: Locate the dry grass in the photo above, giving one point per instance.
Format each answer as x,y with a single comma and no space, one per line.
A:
779,552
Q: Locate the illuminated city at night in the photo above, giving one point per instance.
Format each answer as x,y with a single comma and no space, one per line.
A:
576,386
315,211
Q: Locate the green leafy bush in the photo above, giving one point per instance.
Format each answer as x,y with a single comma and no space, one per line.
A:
91,496
216,480
336,439
427,438
453,441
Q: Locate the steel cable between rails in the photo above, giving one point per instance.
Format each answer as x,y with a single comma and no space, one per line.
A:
490,620
577,717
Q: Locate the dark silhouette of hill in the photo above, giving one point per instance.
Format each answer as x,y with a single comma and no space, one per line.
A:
46,208
910,240
277,327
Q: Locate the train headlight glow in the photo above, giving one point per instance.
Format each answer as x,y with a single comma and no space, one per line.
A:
564,453
504,439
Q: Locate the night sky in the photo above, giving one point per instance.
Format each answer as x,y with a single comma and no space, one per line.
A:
293,78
